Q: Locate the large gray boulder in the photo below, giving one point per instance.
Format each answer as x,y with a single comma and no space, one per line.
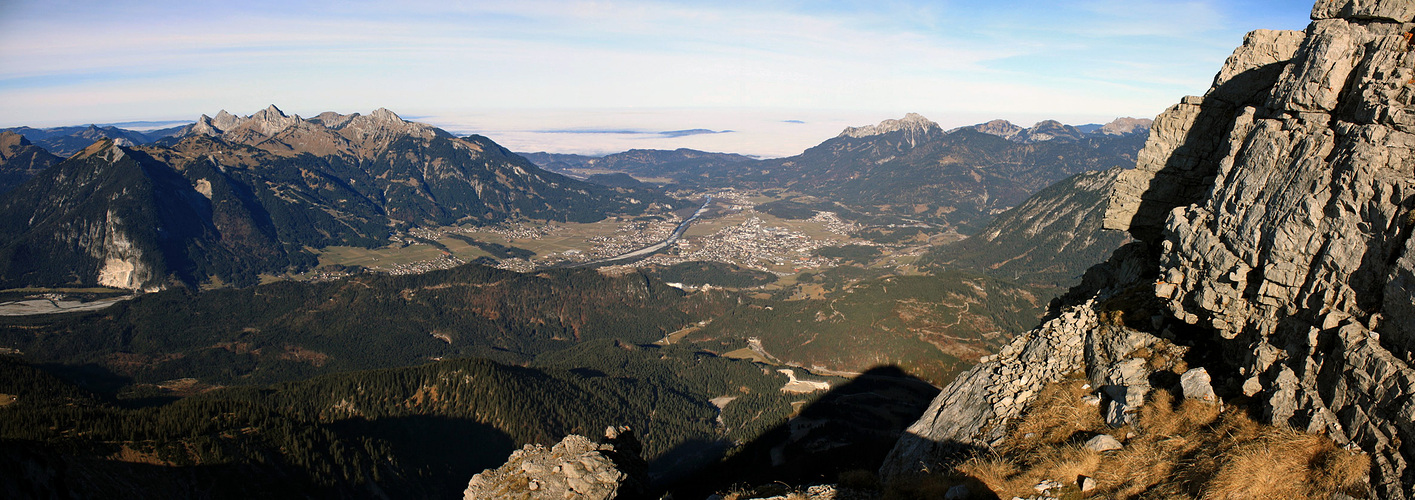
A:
574,468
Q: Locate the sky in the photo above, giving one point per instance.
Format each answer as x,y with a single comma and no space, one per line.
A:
760,77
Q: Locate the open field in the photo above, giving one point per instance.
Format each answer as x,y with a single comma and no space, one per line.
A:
747,353
379,258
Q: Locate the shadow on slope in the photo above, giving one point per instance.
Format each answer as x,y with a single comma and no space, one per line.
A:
852,427
445,452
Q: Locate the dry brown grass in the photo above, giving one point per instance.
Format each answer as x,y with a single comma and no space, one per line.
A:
933,487
1058,413
1176,449
1286,463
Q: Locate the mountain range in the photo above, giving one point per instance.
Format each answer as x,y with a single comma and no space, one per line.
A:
912,170
20,160
1048,240
233,197
904,170
65,141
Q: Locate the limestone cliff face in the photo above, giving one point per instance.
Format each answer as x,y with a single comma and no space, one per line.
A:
1298,252
1278,210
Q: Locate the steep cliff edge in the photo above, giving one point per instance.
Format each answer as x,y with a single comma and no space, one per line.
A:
1276,212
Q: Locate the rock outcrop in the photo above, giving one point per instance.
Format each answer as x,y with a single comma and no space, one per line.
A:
575,468
1277,210
1126,125
916,129
1049,130
1001,128
20,159
973,411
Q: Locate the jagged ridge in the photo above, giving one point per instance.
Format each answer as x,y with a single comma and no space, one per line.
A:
1277,212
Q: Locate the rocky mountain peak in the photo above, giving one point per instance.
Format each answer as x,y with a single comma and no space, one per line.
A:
10,140
202,126
1126,126
107,149
1048,130
271,120
1400,11
269,113
1275,215
382,126
384,115
224,120
1001,128
334,120
913,124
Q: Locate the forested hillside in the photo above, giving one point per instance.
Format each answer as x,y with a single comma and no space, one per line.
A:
1049,240
408,432
289,330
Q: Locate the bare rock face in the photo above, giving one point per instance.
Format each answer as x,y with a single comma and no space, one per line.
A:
972,412
914,126
1001,128
1126,126
1279,209
1283,209
575,468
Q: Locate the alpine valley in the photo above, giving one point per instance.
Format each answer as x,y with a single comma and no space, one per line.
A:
353,305
241,255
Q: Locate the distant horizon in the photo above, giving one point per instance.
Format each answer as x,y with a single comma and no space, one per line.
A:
779,73
594,141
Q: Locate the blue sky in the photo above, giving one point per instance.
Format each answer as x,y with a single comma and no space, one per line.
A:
515,69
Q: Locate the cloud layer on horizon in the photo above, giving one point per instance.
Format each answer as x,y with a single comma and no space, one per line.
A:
72,62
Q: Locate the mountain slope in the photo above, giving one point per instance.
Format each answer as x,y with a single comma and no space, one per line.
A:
1048,240
20,159
111,216
932,326
911,169
641,163
416,432
418,173
238,197
65,141
289,330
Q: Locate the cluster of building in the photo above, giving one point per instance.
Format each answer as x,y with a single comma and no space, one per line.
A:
629,237
835,224
321,275
520,230
517,264
422,266
428,234
751,244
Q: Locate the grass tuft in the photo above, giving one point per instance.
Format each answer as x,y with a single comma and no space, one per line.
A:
1177,448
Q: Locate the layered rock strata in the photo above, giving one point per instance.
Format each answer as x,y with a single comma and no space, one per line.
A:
1278,207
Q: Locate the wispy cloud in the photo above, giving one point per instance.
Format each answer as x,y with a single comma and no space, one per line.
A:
663,134
71,62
